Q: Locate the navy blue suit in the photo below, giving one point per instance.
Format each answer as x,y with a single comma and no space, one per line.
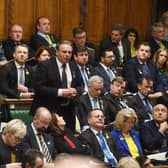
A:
30,141
151,138
99,70
122,144
133,70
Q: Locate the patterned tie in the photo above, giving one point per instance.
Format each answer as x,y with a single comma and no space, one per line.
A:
22,77
95,103
48,39
44,147
64,76
111,158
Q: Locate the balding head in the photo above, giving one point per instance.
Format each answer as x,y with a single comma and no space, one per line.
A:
42,119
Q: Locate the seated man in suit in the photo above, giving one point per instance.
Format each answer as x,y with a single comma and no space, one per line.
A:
16,76
10,138
141,65
43,37
36,136
101,142
157,38
93,99
86,70
106,68
154,134
120,46
114,97
79,40
14,39
140,102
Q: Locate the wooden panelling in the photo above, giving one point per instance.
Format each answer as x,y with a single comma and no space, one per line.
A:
97,16
69,17
94,21
3,19
50,9
140,17
117,13
23,14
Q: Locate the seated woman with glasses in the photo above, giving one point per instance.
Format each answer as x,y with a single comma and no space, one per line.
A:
11,136
64,139
126,137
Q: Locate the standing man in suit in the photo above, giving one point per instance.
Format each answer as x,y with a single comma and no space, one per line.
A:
101,142
36,136
157,38
81,58
120,46
14,39
106,68
17,77
93,99
57,84
43,37
154,134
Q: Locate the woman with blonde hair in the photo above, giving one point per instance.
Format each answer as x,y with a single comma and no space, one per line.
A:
126,137
11,136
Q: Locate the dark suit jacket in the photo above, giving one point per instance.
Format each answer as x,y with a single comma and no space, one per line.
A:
29,141
89,138
9,80
107,43
151,138
9,46
84,106
62,146
37,41
137,104
113,104
155,46
5,153
47,83
90,71
132,72
99,70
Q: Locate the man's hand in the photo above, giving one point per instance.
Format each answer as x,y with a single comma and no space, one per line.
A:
22,88
14,165
69,93
27,95
163,127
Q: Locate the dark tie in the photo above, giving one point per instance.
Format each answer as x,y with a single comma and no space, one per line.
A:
64,76
44,147
22,77
148,106
111,158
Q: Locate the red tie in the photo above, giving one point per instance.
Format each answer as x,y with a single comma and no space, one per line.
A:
69,142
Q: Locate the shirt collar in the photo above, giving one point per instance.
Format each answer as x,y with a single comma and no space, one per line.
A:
18,66
41,34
